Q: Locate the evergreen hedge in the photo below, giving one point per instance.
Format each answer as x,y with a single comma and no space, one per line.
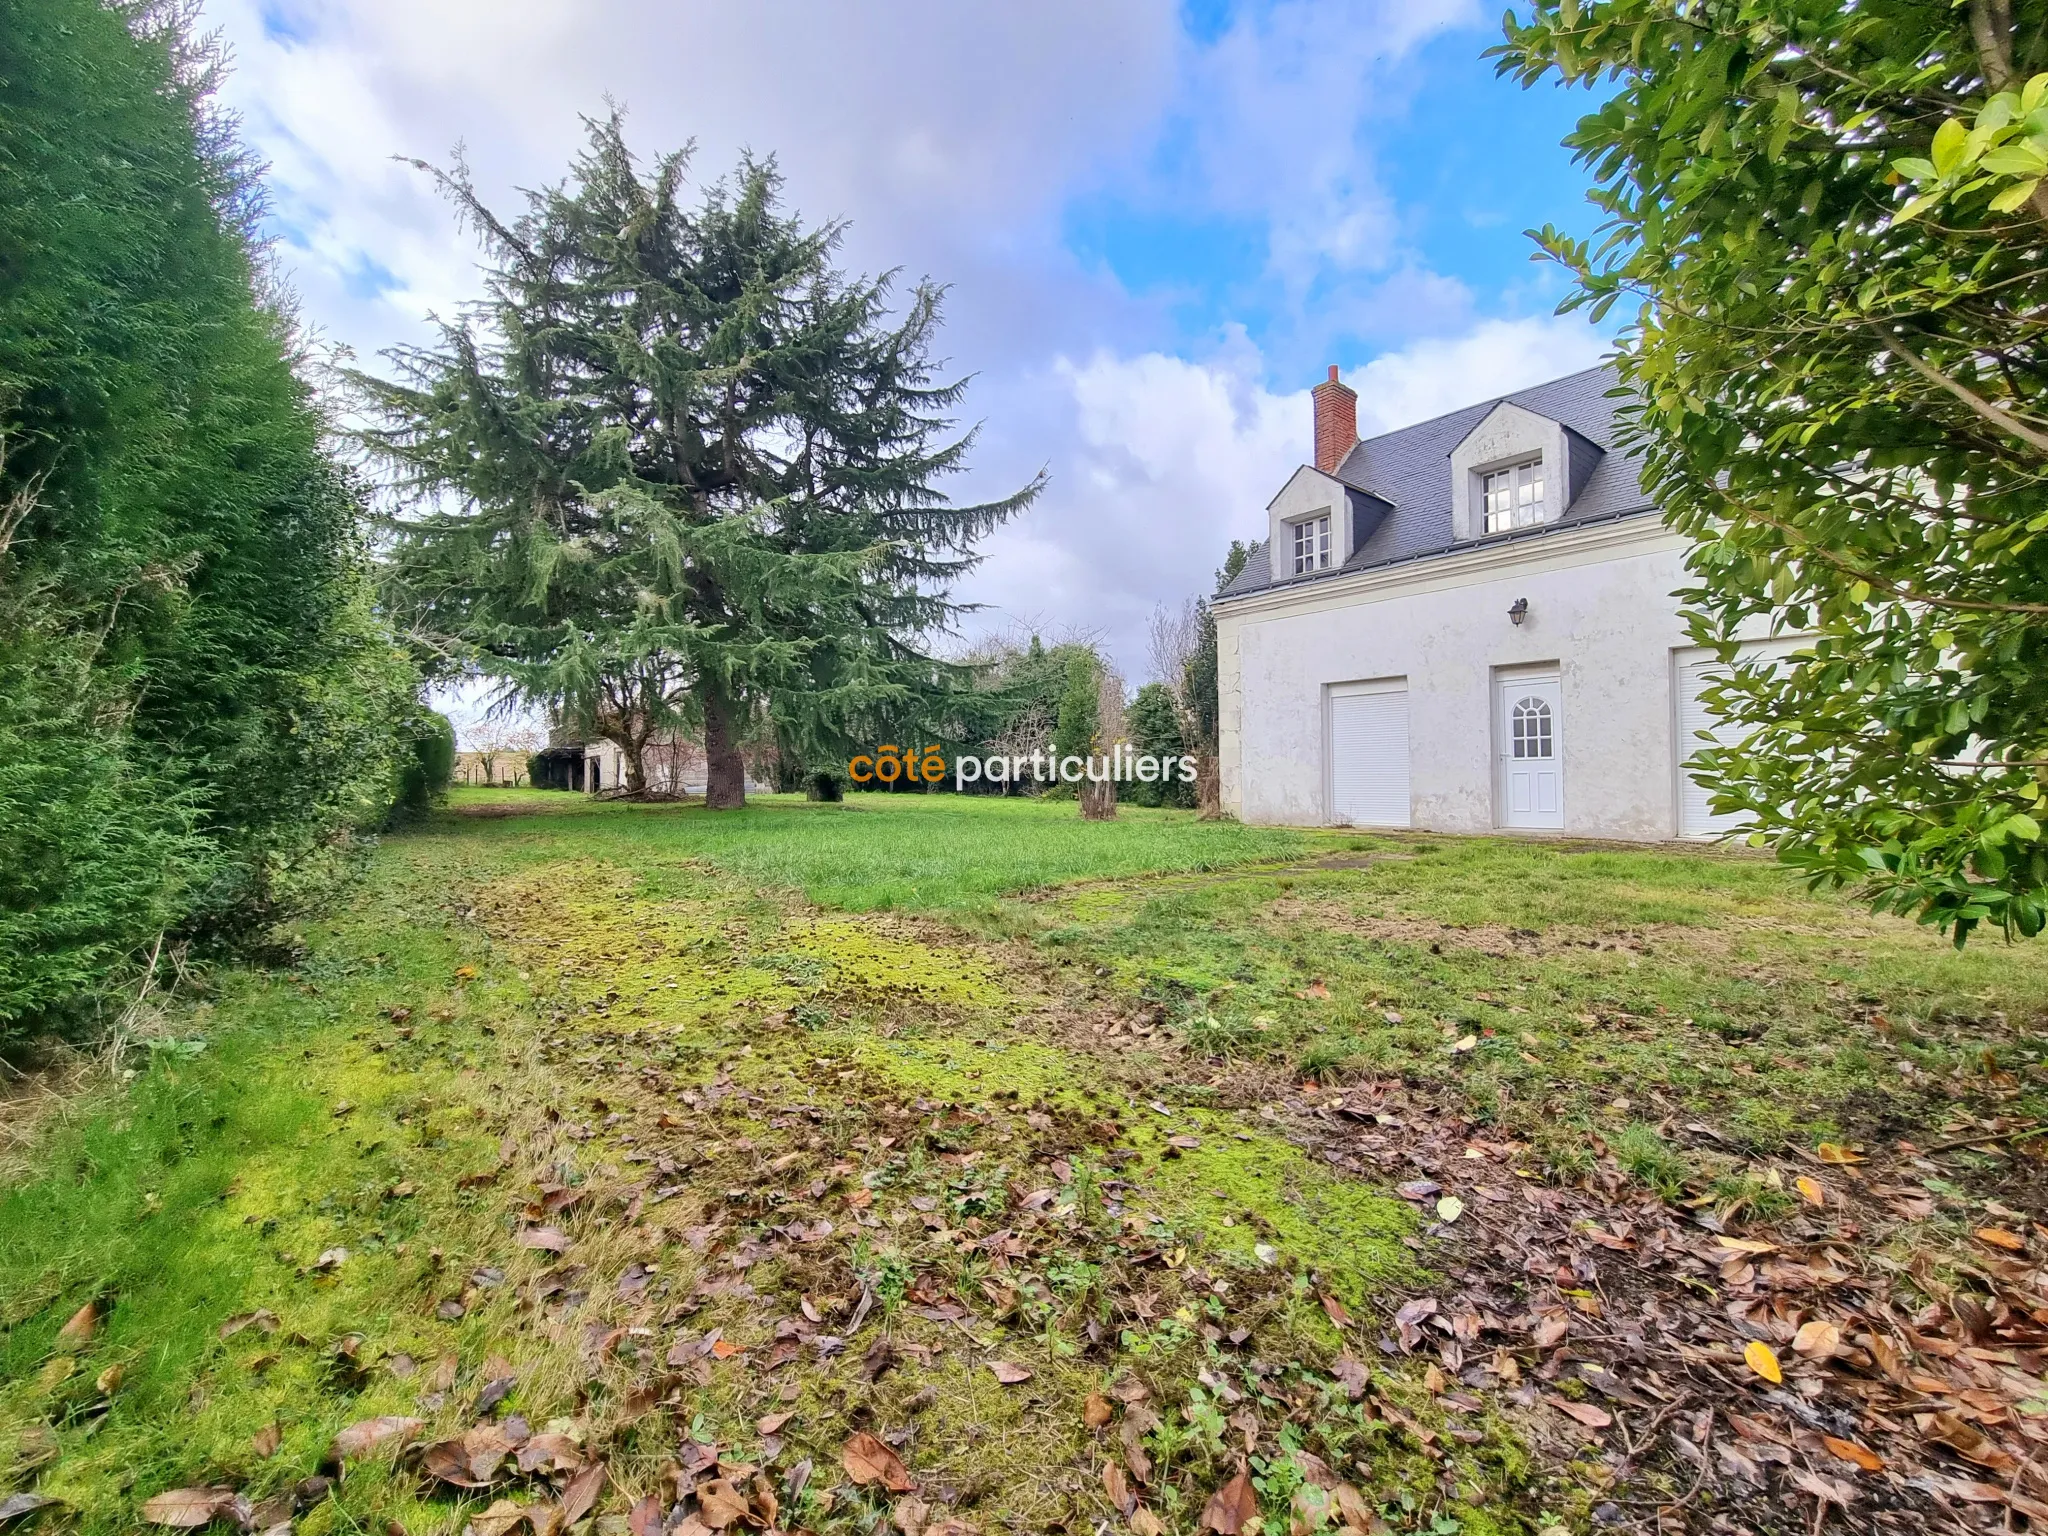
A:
198,706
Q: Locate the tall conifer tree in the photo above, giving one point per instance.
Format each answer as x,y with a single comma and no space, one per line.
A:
679,470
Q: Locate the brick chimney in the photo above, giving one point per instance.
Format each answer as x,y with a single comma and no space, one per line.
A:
1336,421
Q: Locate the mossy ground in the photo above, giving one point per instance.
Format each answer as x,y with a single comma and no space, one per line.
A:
951,1150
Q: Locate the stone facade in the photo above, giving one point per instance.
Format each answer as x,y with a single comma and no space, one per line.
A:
1454,673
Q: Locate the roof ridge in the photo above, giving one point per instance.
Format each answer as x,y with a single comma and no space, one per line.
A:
1429,421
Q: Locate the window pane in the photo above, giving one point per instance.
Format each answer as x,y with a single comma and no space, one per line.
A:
1513,497
1529,729
1311,538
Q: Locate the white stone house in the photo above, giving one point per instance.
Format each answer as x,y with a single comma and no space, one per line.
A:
675,765
1467,625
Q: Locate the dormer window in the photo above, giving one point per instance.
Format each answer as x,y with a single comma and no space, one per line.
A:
1513,497
1312,544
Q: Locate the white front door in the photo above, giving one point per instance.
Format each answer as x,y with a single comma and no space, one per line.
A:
1531,737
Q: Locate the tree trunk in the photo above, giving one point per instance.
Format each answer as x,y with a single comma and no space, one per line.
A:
635,752
1208,787
725,771
1098,800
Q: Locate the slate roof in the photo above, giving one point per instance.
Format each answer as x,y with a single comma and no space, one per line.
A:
1410,470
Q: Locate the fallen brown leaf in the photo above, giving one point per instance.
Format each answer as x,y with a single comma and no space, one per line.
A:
1138,1421
1817,1340
1588,1414
1008,1374
1231,1507
551,1239
18,1506
1118,1487
267,1439
188,1509
1335,1310
551,1452
1969,1442
1096,1412
473,1460
1827,1489
501,1519
1974,1492
261,1318
719,1504
365,1435
82,1325
867,1460
1998,1237
1357,1515
1849,1450
581,1495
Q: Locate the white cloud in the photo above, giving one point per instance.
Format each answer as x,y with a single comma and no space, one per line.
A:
1169,460
1495,357
949,133
1279,113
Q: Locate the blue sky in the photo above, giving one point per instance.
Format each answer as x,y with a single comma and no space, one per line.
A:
1159,221
1469,161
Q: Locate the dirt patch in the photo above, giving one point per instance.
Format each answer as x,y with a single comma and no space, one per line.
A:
1490,939
1204,879
1500,942
37,1088
1344,861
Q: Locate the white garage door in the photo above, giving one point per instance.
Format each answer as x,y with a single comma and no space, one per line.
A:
1368,753
1697,668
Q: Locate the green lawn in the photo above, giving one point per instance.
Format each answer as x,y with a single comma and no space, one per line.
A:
970,1084
921,853
1597,986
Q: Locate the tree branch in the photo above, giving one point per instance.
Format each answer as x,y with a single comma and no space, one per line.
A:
2003,420
1991,30
15,509
1876,582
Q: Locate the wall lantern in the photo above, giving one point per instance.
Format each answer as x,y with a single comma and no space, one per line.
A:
1520,611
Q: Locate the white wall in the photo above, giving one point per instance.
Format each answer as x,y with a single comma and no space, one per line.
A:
1600,606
